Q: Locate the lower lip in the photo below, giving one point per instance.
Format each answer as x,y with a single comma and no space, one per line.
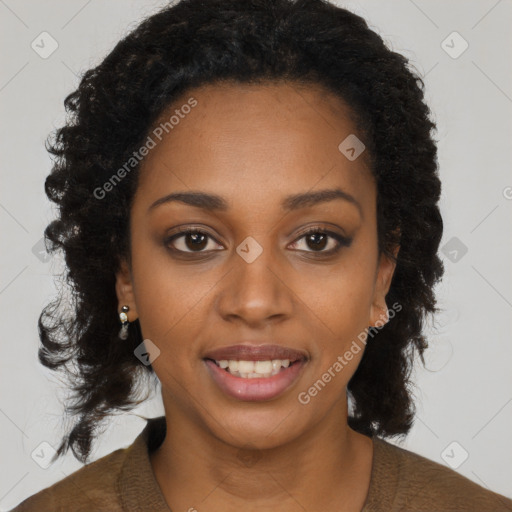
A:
255,389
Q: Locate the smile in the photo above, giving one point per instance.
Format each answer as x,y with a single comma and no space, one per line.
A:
253,369
254,380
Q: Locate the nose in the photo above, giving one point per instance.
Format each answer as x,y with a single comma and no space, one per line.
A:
256,292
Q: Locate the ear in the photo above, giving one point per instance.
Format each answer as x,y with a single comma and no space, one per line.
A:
124,291
385,270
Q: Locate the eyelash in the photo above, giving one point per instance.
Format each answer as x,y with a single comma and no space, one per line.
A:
342,240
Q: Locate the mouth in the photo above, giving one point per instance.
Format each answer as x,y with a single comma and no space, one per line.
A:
255,373
247,369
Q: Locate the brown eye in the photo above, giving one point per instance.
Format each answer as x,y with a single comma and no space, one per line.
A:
190,240
318,240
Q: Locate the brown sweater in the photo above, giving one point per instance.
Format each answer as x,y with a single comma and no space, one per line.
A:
124,481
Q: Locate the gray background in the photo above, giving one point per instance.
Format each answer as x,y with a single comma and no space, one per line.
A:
464,395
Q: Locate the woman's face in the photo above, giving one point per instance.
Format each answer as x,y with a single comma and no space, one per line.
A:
256,159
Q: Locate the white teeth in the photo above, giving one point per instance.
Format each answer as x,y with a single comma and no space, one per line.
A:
253,369
263,366
245,366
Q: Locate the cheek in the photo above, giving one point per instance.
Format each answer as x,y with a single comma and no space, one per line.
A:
341,299
169,296
341,303
171,301
340,310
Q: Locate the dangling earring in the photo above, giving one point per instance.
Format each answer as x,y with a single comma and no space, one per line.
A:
123,317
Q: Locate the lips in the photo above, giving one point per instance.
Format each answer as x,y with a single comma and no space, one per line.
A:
259,384
248,352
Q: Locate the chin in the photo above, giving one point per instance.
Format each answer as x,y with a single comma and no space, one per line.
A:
260,430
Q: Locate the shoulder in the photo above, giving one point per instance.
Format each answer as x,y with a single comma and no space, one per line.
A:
92,487
410,482
122,480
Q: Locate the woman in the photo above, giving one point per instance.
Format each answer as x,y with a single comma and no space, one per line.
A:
248,196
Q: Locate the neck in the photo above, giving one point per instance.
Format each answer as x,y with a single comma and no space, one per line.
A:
326,468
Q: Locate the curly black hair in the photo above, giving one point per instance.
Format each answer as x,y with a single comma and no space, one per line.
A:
109,115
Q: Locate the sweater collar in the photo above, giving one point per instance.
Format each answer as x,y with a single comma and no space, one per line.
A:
139,489
137,485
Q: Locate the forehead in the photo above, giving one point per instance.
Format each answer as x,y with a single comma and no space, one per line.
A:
242,140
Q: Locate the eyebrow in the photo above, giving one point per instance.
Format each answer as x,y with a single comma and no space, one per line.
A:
213,202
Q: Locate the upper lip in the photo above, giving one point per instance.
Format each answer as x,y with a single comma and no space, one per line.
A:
249,352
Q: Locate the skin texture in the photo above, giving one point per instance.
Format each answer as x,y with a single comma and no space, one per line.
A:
254,145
